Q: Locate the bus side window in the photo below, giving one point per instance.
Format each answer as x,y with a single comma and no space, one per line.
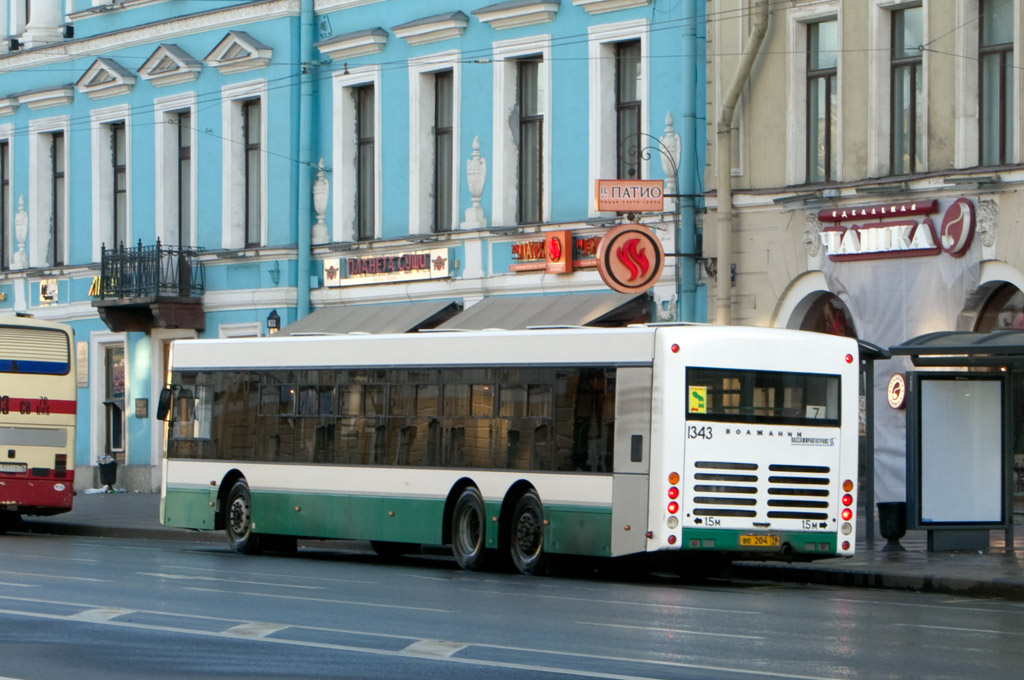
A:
186,403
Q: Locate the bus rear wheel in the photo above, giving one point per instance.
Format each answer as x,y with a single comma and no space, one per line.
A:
238,520
468,529
526,538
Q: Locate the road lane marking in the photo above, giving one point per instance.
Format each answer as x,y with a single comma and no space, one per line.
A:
49,558
255,629
434,648
261,573
957,629
321,599
671,630
185,577
452,659
590,600
18,585
100,614
987,610
65,578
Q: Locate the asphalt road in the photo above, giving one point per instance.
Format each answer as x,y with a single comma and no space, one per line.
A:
119,608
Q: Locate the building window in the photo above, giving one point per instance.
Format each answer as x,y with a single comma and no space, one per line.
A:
444,118
627,109
822,128
531,140
995,96
57,170
118,156
251,127
184,201
364,162
5,206
907,126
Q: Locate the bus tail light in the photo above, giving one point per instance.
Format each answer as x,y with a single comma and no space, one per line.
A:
847,500
849,358
847,514
846,545
673,492
60,464
673,508
848,485
673,478
672,540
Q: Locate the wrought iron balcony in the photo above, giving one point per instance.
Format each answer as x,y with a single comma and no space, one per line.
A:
150,287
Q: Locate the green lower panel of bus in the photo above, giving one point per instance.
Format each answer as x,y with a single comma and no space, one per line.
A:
571,529
731,540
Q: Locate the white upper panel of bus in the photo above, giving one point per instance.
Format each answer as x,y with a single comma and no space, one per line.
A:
583,346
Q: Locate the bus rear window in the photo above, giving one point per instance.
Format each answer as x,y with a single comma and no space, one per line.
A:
767,397
41,351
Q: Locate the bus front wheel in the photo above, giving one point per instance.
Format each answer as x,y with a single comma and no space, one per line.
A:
468,527
238,521
526,539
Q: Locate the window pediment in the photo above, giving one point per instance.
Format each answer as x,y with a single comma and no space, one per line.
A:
238,52
105,78
169,65
518,13
51,96
356,44
8,105
432,29
602,6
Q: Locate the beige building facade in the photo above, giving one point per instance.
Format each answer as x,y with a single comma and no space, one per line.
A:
864,175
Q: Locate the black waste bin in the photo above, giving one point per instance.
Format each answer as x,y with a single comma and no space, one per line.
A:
892,523
108,473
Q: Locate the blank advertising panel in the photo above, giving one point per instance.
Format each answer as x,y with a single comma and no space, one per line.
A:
961,450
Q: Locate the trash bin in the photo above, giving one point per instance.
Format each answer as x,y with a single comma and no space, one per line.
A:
892,524
108,472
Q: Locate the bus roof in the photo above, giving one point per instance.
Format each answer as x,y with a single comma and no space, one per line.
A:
633,345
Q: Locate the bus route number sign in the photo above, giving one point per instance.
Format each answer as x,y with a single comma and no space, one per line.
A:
24,406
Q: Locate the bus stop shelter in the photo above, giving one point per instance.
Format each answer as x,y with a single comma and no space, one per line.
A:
961,416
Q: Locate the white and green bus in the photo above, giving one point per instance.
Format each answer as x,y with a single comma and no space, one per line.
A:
726,441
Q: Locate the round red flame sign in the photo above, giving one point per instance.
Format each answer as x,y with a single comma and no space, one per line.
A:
630,258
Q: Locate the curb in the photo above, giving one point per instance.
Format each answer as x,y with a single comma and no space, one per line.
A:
848,578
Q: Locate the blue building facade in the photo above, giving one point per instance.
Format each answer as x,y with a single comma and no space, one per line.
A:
214,169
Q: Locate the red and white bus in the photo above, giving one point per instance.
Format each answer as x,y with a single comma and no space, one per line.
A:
37,418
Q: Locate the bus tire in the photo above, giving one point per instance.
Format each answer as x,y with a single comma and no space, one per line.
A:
238,520
8,520
469,526
526,534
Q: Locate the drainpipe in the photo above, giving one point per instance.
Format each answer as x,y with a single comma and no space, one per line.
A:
723,162
305,164
686,237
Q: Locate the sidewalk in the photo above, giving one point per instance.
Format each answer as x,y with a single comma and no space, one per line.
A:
997,572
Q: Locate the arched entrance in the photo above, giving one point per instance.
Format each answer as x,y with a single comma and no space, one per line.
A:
1003,309
828,314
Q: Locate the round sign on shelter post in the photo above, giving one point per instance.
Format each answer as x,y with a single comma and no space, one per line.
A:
630,258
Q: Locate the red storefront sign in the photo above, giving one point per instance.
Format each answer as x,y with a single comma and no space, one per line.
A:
630,258
557,253
899,231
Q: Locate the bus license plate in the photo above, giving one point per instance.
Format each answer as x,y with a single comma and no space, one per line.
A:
13,467
759,541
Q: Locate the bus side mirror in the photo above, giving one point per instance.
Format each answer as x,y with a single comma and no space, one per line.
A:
163,405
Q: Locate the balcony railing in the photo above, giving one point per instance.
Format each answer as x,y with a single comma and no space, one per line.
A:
150,272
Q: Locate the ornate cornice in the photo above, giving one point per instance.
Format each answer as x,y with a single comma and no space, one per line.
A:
51,96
